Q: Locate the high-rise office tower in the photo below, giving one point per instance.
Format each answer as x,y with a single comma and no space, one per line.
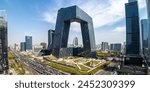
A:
132,28
133,46
134,62
144,27
116,47
50,39
75,42
104,46
111,47
22,46
28,40
3,45
148,14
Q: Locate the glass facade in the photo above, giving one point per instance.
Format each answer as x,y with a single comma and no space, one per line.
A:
132,0
104,46
133,42
144,27
116,47
3,45
132,29
50,39
64,18
28,40
148,12
22,46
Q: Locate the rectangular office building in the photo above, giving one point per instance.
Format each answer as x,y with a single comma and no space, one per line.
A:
28,40
144,27
148,12
132,28
22,46
133,44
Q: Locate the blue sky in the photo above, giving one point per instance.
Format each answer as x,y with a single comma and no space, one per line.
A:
35,17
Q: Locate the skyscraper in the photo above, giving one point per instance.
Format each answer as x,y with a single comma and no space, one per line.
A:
132,28
148,14
133,50
75,42
116,47
22,46
50,39
144,27
28,40
3,45
111,48
104,46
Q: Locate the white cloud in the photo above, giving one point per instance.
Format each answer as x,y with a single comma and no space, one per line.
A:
103,12
120,29
49,16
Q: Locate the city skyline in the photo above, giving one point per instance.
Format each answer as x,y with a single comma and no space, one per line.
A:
27,17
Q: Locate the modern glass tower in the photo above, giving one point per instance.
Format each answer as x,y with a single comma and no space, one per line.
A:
116,47
148,12
104,46
28,40
50,39
133,45
144,27
4,66
22,46
132,28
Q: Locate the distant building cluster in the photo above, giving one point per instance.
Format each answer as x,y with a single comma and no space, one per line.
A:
27,45
113,47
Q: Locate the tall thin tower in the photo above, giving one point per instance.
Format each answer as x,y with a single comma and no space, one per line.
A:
133,44
148,14
3,44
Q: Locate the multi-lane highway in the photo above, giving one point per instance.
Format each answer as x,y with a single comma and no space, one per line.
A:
40,67
37,66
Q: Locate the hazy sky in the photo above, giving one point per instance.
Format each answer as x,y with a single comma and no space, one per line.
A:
35,17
